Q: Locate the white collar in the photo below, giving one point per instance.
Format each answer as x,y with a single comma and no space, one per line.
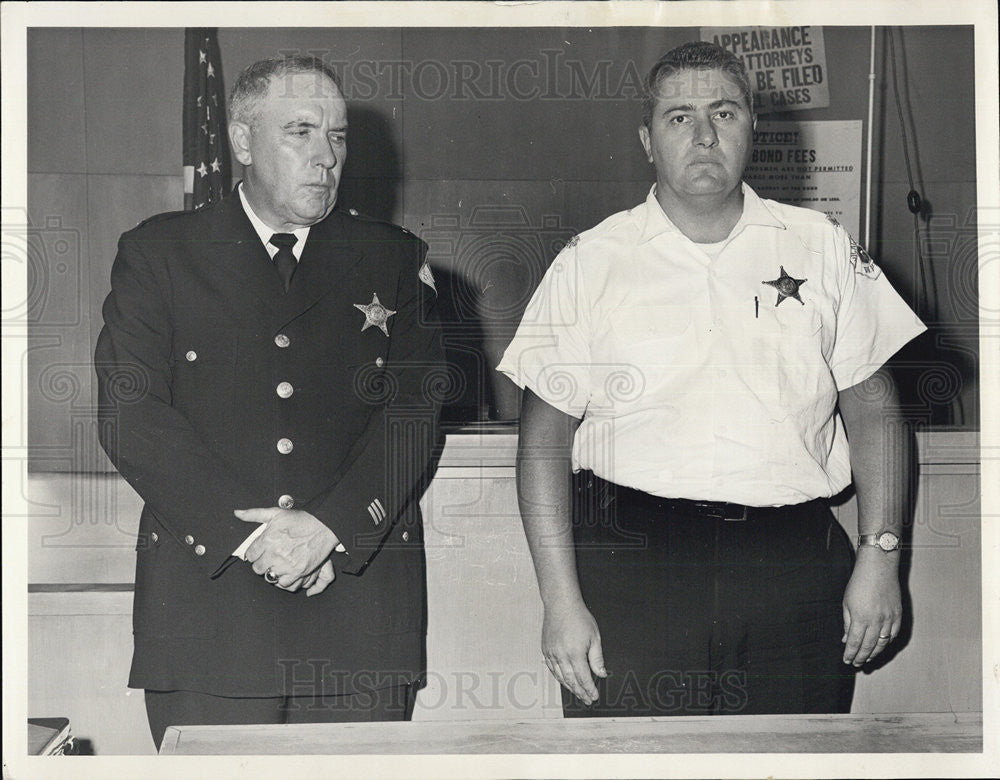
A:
755,212
265,232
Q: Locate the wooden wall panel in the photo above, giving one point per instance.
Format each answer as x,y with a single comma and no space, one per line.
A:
82,529
59,370
557,104
56,86
80,645
134,84
484,612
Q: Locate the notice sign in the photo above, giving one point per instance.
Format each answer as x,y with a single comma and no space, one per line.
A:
816,165
786,65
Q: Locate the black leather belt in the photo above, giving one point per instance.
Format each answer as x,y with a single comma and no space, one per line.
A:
722,510
718,510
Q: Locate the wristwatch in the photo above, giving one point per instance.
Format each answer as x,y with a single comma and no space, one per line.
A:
886,541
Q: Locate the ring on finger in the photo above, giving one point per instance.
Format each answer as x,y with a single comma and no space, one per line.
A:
271,577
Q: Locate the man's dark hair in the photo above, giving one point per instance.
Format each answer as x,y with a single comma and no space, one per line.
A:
252,84
694,55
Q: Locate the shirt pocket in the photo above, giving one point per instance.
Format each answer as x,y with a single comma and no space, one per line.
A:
803,375
767,352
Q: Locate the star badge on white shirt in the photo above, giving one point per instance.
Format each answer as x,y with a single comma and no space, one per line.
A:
787,287
375,314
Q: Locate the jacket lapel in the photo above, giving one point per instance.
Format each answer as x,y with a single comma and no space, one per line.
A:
327,260
250,282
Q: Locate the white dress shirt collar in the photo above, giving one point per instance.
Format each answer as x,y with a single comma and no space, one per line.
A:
755,212
265,232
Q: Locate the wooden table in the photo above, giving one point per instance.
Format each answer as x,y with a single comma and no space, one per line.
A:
911,733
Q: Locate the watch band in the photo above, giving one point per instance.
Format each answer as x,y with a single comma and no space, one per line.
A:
876,540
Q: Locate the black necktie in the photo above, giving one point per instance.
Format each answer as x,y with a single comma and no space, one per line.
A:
284,260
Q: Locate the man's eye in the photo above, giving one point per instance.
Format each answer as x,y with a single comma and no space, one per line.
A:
677,120
726,115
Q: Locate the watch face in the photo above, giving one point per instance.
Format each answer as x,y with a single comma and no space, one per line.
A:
888,541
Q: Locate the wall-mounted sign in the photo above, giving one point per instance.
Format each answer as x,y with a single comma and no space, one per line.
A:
787,65
812,164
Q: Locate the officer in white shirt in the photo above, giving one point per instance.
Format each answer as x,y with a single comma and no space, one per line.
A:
700,361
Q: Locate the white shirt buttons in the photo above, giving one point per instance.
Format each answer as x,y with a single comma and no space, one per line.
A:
191,356
285,446
189,539
285,390
199,550
282,340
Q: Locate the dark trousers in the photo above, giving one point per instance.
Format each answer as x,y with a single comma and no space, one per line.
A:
703,616
189,708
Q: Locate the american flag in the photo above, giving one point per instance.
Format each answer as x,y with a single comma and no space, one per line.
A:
206,144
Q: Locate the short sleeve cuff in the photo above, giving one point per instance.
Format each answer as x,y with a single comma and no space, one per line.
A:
851,373
561,386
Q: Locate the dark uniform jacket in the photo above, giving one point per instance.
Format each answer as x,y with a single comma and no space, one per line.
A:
200,348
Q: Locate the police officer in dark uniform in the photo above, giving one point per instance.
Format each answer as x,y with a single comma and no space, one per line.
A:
266,376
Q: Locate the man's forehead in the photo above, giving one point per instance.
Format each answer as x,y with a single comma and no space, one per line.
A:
709,84
303,85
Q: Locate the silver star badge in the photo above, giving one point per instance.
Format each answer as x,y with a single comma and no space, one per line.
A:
375,314
787,287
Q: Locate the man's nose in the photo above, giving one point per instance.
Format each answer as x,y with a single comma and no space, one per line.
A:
325,154
705,134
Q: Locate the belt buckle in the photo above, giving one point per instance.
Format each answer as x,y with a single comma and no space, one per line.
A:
713,509
742,517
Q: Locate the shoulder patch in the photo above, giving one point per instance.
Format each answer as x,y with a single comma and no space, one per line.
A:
832,220
862,262
426,276
572,242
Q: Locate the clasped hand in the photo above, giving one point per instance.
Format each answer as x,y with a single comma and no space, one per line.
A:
294,546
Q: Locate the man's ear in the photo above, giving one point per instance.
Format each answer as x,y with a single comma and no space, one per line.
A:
646,144
239,140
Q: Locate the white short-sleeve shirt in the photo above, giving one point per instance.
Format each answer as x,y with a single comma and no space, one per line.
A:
690,379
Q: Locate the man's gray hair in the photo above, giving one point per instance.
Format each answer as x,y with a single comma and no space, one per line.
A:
252,84
694,55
